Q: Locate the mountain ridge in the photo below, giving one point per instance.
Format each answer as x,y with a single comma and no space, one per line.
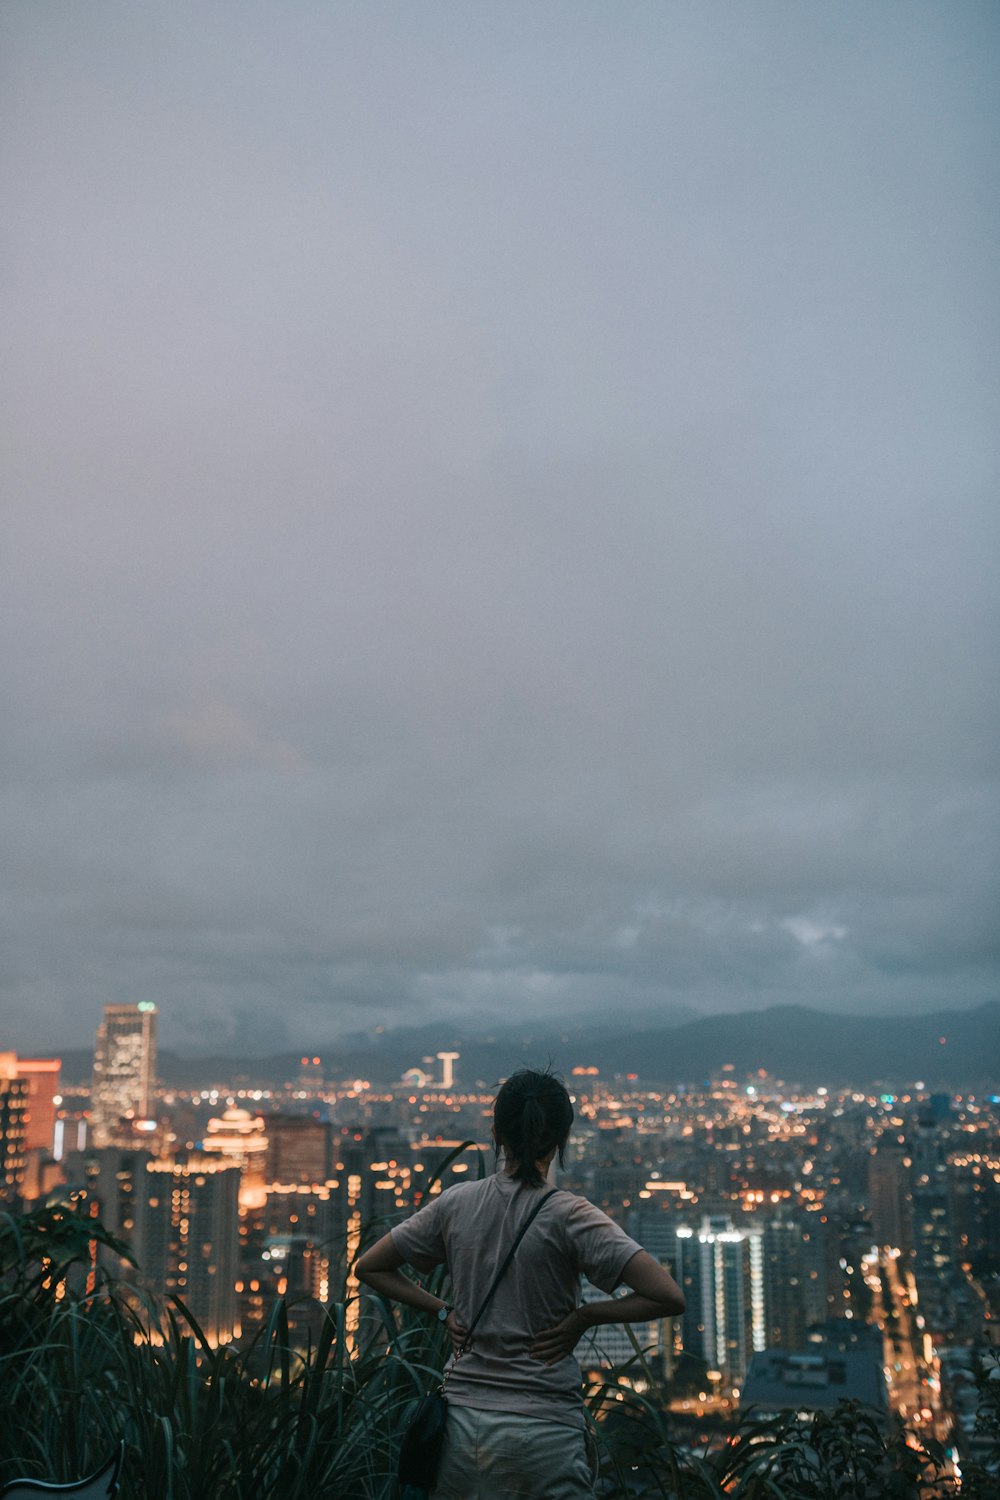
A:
789,1042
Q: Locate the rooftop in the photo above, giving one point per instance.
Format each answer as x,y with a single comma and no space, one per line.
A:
813,1381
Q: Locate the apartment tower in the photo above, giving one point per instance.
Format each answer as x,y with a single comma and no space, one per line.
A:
124,1071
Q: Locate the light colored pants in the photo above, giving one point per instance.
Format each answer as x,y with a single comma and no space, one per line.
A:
496,1455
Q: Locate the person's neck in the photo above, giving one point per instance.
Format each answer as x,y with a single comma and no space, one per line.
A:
542,1167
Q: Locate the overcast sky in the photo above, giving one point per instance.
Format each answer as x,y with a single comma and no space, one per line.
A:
500,511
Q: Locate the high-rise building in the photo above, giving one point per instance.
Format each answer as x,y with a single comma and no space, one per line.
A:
721,1271
931,1220
685,1263
186,1236
974,1209
238,1137
889,1193
655,1229
124,1071
447,1061
794,1280
293,1247
28,1086
42,1075
14,1095
298,1149
109,1184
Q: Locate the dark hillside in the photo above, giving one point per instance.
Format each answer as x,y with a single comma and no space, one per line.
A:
789,1042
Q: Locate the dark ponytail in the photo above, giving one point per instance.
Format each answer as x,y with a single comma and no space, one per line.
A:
532,1116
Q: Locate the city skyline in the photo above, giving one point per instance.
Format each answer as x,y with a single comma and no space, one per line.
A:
499,515
830,1241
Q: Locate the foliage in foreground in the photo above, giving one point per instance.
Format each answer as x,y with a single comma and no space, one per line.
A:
80,1370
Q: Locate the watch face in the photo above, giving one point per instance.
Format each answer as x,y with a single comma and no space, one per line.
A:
443,1314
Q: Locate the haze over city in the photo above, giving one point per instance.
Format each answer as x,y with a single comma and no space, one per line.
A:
500,514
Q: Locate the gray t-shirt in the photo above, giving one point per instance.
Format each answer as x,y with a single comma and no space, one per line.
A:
470,1228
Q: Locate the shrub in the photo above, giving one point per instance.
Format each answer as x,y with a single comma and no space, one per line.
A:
86,1361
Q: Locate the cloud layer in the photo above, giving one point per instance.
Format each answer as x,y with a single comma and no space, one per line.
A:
501,512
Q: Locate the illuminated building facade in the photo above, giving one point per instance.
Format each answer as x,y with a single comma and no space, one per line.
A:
304,1235
238,1137
42,1075
293,1247
187,1236
298,1149
28,1088
14,1101
889,1193
974,1209
931,1222
448,1061
108,1184
721,1270
124,1070
794,1280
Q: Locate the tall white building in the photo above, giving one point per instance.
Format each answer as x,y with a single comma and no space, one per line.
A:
124,1070
448,1061
722,1272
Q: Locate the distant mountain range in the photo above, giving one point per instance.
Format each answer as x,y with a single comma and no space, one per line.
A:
957,1049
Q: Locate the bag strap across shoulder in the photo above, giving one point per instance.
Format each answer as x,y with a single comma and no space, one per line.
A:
501,1273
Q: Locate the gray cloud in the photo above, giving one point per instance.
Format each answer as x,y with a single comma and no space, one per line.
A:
500,513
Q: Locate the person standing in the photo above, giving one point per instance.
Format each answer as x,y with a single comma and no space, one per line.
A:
516,1423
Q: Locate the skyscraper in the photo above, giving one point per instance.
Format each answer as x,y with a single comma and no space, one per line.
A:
721,1270
13,1124
447,1061
110,1185
186,1235
238,1136
124,1070
298,1149
794,1283
42,1076
889,1193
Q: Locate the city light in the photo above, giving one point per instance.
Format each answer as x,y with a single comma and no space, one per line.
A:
848,1227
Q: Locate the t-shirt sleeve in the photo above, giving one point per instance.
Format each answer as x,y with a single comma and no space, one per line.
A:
419,1239
600,1247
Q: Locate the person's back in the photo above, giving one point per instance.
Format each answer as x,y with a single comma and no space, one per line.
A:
470,1228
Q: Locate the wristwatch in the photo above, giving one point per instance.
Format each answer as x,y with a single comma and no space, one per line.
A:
442,1313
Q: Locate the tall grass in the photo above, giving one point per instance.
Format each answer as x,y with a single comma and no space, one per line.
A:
81,1369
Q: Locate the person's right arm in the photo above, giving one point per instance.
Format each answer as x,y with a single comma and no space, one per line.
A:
653,1294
